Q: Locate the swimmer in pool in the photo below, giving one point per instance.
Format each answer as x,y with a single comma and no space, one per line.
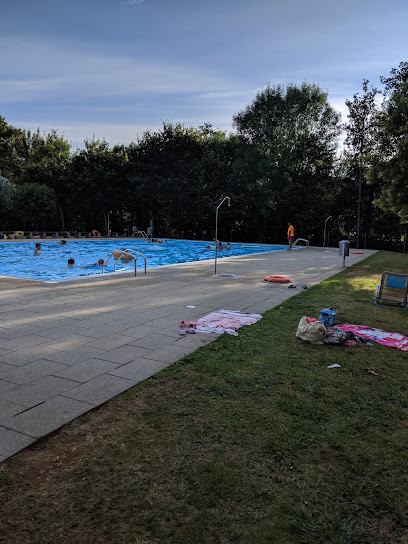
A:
100,262
37,250
71,262
63,242
228,246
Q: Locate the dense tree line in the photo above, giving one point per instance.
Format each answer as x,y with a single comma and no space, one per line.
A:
281,164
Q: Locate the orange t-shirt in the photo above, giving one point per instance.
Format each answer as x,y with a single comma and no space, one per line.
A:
290,230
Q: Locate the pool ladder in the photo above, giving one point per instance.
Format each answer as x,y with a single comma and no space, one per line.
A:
131,252
302,240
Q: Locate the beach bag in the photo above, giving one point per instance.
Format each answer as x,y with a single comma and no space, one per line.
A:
312,332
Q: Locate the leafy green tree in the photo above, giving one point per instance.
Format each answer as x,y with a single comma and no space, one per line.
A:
391,164
97,175
361,141
35,202
297,132
13,150
47,162
6,200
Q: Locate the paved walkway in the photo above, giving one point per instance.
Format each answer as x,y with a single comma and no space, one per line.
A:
66,348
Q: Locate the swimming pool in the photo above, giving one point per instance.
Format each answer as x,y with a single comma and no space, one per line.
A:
17,259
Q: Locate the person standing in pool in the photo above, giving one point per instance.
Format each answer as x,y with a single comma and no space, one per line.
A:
37,250
291,234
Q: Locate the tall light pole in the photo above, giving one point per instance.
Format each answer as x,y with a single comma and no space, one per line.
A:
216,229
108,223
324,238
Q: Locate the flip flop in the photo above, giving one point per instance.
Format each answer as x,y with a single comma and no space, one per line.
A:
292,287
305,287
190,330
183,325
183,332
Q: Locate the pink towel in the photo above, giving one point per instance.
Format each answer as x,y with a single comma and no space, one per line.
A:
390,339
226,321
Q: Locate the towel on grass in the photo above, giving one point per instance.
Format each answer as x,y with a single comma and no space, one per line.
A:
228,321
390,339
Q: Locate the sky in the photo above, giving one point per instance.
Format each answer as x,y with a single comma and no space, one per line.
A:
112,69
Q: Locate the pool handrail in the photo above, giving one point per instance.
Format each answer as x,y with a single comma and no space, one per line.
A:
301,240
131,252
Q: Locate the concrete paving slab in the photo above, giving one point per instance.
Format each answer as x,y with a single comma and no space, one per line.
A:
100,389
9,409
85,371
38,391
32,371
4,367
48,416
124,354
11,442
169,354
74,345
138,370
5,386
75,355
27,355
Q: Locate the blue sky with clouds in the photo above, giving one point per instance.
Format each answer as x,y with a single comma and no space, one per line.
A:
114,68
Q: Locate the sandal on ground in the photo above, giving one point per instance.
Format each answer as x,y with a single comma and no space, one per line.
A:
183,331
292,287
190,330
183,325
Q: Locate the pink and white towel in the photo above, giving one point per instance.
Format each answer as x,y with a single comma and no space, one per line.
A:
390,339
227,321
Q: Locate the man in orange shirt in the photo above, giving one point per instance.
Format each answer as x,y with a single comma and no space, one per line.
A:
291,234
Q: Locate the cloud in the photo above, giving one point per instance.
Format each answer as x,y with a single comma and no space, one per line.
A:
36,70
132,2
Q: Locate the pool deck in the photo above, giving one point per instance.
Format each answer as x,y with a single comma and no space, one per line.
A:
67,348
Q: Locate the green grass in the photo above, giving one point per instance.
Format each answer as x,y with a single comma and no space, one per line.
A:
251,439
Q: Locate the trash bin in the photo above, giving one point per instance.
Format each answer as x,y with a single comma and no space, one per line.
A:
344,248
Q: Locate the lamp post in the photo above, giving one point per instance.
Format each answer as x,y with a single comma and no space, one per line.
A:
108,223
216,230
324,238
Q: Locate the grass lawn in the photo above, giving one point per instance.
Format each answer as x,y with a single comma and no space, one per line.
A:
251,439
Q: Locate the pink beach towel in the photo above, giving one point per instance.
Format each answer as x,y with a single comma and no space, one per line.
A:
390,339
227,321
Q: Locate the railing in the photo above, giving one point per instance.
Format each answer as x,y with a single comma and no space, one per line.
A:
301,240
140,234
117,255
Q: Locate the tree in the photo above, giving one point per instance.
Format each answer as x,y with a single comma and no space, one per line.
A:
46,163
296,130
360,139
34,201
391,164
98,178
13,149
6,198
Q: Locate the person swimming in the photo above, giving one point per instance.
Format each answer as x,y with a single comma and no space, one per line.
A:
100,262
37,250
71,262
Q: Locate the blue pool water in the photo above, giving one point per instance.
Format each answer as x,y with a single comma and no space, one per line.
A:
18,259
